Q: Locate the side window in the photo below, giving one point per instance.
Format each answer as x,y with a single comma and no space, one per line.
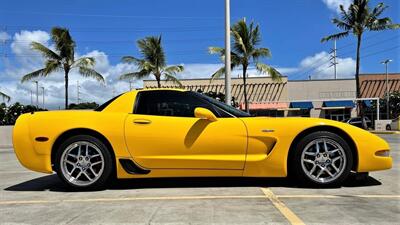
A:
168,103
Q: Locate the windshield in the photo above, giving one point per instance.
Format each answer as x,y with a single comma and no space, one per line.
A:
230,109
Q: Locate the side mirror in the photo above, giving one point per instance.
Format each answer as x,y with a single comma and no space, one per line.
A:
203,113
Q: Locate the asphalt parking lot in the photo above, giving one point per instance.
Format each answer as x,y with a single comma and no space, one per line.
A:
34,198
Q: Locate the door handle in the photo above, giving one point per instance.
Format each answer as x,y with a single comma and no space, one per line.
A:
141,121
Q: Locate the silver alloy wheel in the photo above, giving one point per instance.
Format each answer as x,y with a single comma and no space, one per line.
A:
82,163
323,160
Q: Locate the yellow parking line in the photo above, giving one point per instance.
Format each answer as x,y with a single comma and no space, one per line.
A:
289,214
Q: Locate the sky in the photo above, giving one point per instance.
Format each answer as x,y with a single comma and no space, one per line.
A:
108,30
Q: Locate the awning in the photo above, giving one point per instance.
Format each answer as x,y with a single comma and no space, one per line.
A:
268,106
301,105
337,104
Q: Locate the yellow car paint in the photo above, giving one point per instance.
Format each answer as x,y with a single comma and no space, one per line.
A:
181,146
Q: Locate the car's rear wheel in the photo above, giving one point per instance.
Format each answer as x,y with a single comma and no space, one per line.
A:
83,162
323,159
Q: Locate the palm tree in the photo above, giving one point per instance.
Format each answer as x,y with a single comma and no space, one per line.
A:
244,53
357,19
4,96
153,62
63,58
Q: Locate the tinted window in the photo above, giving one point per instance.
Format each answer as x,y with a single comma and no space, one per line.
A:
169,103
227,108
104,105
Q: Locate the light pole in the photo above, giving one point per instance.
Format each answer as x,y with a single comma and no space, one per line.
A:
37,93
42,95
386,62
227,53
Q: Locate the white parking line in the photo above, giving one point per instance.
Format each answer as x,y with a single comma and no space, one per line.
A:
205,197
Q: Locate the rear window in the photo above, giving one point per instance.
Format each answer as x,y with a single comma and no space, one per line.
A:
104,105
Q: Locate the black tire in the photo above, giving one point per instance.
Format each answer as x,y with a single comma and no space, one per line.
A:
297,168
107,158
388,127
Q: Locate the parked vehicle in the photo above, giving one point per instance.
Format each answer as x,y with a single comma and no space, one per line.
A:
177,133
394,125
357,121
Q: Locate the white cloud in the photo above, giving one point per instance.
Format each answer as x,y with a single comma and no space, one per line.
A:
318,66
91,90
334,4
27,60
4,36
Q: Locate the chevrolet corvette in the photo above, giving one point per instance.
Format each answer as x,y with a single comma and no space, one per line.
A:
177,133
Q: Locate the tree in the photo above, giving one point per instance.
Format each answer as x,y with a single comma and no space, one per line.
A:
63,58
245,52
153,62
83,105
4,96
357,19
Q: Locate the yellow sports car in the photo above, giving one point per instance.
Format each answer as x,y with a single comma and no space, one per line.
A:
177,133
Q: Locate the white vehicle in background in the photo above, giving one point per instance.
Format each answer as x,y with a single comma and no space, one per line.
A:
394,125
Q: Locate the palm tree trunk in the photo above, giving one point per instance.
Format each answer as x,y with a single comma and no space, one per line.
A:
246,104
358,93
66,71
158,81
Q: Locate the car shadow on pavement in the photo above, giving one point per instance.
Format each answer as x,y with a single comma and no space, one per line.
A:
53,183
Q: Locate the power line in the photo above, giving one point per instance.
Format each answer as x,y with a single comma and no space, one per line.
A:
110,16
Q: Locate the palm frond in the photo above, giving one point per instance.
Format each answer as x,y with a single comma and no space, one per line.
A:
174,79
378,10
130,59
64,43
265,69
46,52
261,52
218,74
239,43
6,97
84,61
88,72
33,75
51,66
174,69
341,24
335,36
135,75
216,50
152,50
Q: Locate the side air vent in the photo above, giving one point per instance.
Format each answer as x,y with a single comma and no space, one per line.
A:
131,168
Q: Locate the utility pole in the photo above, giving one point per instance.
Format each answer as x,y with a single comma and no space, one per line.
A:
334,58
77,92
43,96
227,53
386,62
130,85
37,93
31,97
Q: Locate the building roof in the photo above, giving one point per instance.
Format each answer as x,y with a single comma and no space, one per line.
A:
374,85
259,89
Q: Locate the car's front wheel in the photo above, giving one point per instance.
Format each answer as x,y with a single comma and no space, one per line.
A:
323,159
83,162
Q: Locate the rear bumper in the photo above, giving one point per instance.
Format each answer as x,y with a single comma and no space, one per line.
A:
24,150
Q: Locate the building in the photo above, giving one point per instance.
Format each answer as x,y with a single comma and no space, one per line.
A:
328,98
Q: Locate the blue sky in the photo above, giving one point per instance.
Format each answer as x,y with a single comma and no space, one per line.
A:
109,29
